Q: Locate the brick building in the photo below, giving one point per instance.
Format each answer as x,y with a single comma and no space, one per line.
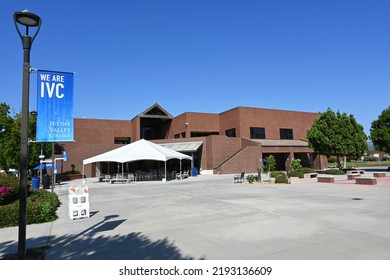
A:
229,142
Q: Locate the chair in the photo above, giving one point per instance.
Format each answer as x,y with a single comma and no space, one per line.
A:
107,178
185,174
239,178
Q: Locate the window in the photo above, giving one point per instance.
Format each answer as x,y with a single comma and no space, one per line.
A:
122,140
257,132
286,133
176,136
230,132
203,134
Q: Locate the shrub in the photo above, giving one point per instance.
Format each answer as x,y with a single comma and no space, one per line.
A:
295,174
46,213
9,214
281,178
41,208
252,178
296,164
276,173
70,172
5,192
307,170
334,172
13,182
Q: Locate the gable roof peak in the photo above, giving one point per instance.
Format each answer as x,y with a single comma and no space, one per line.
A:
155,111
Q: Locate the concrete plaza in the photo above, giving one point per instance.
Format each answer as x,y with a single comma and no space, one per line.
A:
210,217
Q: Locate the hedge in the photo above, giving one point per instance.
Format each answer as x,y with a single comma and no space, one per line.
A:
296,174
41,208
334,172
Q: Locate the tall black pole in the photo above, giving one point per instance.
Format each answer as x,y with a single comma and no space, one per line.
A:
53,162
26,19
27,41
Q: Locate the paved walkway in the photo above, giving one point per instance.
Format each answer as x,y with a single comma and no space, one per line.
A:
210,217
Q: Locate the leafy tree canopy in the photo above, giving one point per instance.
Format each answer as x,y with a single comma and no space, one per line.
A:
7,132
380,131
270,163
10,129
337,134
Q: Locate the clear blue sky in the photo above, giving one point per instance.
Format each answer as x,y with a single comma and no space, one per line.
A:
207,55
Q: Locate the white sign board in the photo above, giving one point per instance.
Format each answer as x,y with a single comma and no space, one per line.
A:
78,202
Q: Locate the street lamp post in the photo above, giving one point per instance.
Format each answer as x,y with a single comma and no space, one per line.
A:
28,20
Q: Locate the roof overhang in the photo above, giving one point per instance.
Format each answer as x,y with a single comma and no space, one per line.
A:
183,147
282,143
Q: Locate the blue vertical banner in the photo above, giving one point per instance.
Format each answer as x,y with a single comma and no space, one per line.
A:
54,106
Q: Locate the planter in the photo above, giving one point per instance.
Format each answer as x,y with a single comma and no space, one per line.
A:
68,177
294,180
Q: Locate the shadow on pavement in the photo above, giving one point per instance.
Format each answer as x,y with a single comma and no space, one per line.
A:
134,246
91,245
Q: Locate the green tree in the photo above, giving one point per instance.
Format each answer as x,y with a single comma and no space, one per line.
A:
34,149
380,131
337,134
269,163
296,164
10,129
7,137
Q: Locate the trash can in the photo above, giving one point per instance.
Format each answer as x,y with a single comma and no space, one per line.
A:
194,171
35,182
46,181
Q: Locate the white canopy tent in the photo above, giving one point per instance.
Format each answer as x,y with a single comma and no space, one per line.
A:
139,150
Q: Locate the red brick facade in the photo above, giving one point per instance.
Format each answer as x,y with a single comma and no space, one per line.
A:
218,153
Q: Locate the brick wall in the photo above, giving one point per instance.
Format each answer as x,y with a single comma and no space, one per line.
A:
197,122
246,160
272,120
229,120
93,137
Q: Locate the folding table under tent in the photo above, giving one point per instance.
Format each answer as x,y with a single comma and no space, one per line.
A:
139,150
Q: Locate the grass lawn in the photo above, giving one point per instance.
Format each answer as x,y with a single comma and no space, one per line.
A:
361,164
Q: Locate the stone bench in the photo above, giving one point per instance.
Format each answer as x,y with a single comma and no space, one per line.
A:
355,172
379,174
366,180
352,176
310,175
325,179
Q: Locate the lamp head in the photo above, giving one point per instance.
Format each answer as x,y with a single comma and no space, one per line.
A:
27,18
